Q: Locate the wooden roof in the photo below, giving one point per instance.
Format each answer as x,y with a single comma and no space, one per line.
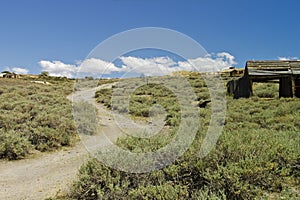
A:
272,68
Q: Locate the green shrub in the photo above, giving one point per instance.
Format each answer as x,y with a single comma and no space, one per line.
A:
104,96
266,90
141,100
164,191
206,193
36,116
85,118
13,145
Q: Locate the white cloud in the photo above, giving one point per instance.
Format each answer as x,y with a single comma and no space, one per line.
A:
211,62
226,57
288,58
19,70
134,65
165,65
97,66
149,66
58,68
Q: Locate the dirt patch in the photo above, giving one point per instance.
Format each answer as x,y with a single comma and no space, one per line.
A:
41,177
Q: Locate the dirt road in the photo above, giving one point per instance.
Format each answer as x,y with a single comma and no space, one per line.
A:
42,176
47,173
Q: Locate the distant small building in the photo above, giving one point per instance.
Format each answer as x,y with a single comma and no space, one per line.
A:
232,72
10,75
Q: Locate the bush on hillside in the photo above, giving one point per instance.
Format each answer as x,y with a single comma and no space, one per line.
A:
34,116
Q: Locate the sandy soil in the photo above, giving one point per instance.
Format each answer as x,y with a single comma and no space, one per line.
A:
42,176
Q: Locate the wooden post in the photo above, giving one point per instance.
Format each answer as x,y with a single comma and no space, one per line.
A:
285,87
251,87
297,87
236,92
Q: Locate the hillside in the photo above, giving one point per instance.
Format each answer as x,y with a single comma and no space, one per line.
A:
257,155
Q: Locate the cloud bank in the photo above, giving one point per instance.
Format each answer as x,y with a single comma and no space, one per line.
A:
20,70
97,66
155,66
17,70
288,58
58,68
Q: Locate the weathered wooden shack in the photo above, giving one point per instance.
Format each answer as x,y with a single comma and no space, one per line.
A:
287,72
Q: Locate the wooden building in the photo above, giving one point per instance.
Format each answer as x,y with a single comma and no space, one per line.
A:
287,72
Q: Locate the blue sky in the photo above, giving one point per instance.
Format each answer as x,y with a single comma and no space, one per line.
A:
32,31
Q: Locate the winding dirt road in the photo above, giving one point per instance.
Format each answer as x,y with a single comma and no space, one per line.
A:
46,174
